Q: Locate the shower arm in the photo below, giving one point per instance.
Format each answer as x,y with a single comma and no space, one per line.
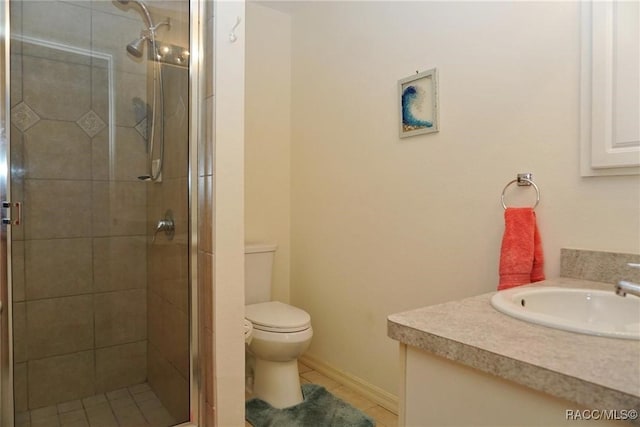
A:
150,33
145,11
150,26
166,22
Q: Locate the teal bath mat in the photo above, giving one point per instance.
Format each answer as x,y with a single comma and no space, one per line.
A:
318,409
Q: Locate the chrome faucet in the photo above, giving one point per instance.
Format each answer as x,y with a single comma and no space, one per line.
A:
623,287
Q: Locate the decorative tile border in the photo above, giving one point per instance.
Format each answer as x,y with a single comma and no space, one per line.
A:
607,267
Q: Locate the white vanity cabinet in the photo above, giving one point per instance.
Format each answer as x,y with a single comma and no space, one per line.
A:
465,364
440,392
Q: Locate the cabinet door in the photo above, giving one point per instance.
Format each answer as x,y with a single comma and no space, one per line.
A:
610,88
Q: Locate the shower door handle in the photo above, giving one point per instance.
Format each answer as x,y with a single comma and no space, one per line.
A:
8,219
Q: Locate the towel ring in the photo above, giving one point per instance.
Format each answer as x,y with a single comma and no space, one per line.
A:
520,181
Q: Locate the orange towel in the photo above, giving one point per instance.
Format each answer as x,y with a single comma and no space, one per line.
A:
521,258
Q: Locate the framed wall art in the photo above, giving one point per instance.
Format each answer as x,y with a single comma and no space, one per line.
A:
418,103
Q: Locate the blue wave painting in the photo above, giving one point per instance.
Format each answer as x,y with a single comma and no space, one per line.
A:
413,100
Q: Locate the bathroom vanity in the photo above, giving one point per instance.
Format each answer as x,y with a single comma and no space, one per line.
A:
463,363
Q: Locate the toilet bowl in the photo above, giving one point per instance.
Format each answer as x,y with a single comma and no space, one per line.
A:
281,333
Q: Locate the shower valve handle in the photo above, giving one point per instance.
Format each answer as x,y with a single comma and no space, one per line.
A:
167,225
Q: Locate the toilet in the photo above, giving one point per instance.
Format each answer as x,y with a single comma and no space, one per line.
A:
280,332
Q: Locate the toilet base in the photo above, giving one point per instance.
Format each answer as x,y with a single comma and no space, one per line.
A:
277,383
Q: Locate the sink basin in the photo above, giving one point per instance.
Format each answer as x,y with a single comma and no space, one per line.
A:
586,311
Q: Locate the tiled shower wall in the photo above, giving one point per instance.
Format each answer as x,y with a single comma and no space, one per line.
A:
168,308
168,263
80,256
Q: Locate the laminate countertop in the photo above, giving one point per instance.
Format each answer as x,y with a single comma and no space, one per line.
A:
596,372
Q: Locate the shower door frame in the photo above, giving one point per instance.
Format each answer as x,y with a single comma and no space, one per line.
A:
196,133
6,334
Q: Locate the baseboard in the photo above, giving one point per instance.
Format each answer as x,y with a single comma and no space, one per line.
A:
371,392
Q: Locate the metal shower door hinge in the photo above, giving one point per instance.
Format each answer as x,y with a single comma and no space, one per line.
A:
7,218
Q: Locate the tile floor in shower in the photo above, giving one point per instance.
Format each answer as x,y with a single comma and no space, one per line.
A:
135,406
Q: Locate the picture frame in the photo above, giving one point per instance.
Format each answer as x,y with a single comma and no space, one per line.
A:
418,103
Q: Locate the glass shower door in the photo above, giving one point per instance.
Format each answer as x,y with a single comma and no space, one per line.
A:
6,384
99,149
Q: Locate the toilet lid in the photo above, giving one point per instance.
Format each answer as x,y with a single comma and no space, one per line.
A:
274,316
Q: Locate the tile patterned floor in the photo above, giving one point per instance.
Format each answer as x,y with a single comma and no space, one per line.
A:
382,416
138,406
135,406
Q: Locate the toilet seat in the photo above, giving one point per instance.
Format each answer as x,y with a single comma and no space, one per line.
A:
275,316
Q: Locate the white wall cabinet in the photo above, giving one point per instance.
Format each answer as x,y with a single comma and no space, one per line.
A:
610,85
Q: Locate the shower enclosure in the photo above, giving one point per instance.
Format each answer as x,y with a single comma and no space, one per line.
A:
97,313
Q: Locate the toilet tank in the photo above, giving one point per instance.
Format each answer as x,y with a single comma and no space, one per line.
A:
258,265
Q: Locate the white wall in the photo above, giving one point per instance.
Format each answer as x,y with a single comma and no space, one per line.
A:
268,136
228,208
380,224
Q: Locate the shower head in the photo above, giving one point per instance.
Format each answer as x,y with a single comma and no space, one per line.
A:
135,47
